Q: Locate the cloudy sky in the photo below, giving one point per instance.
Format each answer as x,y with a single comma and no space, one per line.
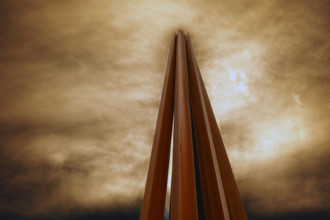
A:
80,89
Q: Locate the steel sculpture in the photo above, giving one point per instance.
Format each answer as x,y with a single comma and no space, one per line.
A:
203,184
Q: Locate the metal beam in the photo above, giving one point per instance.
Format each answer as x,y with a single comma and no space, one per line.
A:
184,93
155,191
215,203
183,191
233,199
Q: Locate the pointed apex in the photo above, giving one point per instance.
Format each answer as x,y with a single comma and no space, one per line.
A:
185,33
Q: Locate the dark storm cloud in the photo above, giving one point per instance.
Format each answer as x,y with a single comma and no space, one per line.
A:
55,78
295,181
80,87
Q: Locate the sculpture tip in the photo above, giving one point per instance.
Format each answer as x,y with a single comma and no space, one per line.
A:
183,32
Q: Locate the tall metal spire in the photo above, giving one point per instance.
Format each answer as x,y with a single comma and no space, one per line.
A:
195,128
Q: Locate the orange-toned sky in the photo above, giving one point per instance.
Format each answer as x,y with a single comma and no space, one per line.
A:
80,89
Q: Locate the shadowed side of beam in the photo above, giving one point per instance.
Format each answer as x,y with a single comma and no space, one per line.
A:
234,202
155,191
213,191
183,191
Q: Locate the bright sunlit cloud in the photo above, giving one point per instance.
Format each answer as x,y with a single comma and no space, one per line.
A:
81,83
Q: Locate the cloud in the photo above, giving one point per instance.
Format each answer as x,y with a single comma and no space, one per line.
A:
81,83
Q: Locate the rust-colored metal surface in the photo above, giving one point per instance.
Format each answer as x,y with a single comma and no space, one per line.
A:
183,194
155,192
215,203
184,93
235,204
233,199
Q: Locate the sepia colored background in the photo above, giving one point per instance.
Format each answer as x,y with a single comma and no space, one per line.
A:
80,89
